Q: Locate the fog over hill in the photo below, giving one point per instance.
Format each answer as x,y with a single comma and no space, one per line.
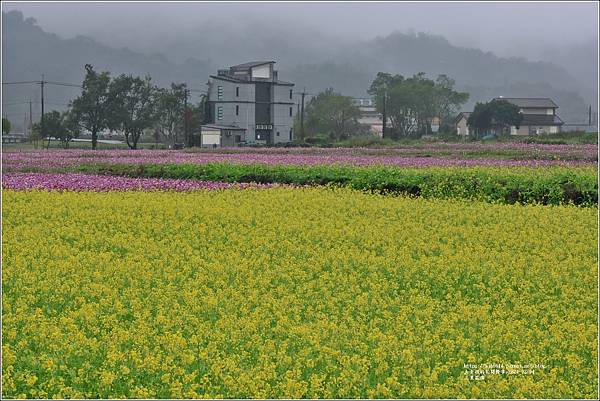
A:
311,57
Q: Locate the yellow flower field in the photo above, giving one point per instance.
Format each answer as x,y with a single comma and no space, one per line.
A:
295,293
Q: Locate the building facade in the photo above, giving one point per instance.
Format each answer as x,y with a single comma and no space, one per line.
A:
539,116
250,105
369,116
462,127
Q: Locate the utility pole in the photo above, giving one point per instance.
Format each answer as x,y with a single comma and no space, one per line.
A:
384,116
302,116
185,118
43,127
30,118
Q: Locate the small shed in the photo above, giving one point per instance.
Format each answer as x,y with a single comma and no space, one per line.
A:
214,136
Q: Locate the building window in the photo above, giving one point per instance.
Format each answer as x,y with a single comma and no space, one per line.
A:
237,110
220,113
277,133
219,92
237,91
291,134
290,93
290,111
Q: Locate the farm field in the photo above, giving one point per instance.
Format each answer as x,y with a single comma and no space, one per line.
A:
552,174
259,273
286,293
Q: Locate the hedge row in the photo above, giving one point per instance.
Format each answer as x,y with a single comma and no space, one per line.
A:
548,186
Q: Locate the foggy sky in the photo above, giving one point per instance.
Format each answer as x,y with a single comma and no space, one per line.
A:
530,30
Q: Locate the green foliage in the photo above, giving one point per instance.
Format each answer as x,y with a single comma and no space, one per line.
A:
551,186
62,126
5,126
170,111
93,109
52,127
333,114
497,114
196,116
563,138
133,106
364,141
70,128
412,103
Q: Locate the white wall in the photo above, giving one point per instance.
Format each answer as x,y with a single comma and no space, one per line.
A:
462,128
262,71
211,137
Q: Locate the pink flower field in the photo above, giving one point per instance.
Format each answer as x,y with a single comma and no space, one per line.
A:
43,160
102,183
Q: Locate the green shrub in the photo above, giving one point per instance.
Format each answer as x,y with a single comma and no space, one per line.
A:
548,186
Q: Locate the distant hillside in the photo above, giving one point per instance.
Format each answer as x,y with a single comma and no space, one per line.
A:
349,67
28,52
482,74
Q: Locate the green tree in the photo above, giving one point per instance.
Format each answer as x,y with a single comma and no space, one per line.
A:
412,103
196,116
497,115
5,126
170,112
53,127
505,115
448,100
400,107
93,109
134,106
480,119
332,114
70,128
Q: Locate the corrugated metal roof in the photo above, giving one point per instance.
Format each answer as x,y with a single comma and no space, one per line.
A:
225,127
230,78
250,64
460,115
530,102
541,119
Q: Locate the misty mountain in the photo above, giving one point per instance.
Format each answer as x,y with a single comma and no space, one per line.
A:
29,52
309,59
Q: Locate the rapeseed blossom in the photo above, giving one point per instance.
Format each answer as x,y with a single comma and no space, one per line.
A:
291,293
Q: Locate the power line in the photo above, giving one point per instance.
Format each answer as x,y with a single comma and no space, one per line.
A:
21,82
63,84
45,82
35,102
14,103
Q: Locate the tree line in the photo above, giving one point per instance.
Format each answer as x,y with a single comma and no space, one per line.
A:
128,104
411,105
134,106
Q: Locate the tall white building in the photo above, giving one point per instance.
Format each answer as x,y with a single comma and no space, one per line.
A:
248,104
